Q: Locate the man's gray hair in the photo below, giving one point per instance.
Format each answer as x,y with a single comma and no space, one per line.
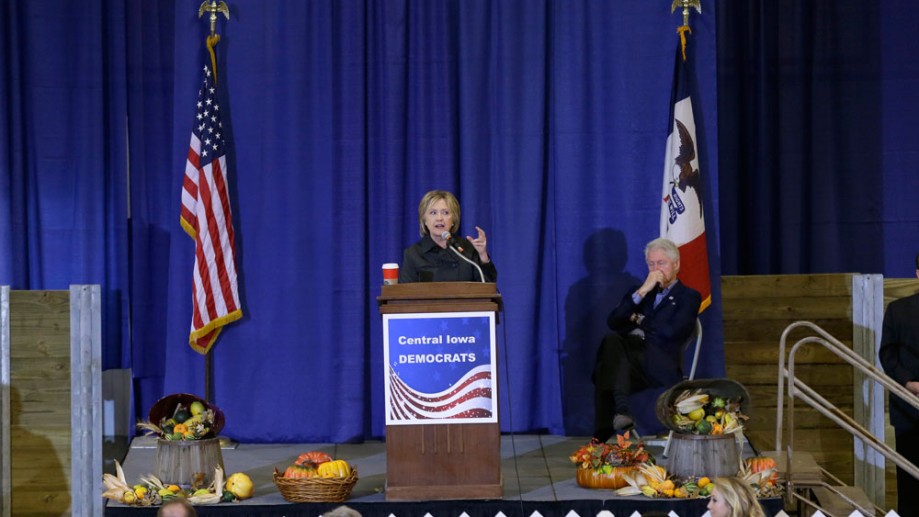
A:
666,245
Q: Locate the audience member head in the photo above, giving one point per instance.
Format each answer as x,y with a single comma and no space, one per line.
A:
731,497
428,201
666,245
342,511
177,507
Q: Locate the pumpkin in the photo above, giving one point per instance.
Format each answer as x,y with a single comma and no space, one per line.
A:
761,463
316,457
335,469
300,471
590,478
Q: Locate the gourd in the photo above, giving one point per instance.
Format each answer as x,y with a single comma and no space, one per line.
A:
334,469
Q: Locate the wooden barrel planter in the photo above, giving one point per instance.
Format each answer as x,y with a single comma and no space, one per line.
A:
693,455
179,461
590,478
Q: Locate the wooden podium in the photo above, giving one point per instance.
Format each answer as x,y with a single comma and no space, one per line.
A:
443,461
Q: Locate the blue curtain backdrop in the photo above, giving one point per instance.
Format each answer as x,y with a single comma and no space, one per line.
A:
63,187
547,119
802,122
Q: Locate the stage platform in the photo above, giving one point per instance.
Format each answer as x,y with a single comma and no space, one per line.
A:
539,479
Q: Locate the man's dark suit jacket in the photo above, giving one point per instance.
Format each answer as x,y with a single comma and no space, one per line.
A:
666,328
899,354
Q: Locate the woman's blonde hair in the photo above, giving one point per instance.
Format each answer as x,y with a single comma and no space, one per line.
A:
432,197
739,496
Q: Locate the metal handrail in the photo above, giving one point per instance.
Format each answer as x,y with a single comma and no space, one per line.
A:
799,389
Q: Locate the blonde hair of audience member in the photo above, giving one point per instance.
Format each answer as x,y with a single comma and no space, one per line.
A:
432,197
731,497
177,508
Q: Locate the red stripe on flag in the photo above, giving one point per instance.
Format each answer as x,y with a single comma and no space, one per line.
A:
694,267
193,158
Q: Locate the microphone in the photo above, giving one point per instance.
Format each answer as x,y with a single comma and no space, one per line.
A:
458,250
450,241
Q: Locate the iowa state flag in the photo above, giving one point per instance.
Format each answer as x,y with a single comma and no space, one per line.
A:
682,218
207,218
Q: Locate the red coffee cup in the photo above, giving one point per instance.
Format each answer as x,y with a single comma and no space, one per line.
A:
390,273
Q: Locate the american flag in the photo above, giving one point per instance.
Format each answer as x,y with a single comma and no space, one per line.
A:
470,398
682,218
207,218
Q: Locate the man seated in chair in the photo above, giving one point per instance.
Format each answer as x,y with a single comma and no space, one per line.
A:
649,326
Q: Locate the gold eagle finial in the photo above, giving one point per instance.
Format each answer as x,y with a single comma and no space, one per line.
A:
686,4
213,7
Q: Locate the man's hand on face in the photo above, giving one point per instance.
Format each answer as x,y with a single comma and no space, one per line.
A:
654,279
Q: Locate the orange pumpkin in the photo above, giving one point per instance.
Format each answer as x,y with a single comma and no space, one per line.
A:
590,478
761,463
300,471
316,457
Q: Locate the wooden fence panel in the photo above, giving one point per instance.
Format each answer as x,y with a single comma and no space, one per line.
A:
757,309
51,402
40,402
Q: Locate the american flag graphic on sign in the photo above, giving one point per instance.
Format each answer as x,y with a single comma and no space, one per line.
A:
207,218
469,398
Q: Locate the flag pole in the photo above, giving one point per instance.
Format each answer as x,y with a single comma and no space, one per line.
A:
214,9
683,29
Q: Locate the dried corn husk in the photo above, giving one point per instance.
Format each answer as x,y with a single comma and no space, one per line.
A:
213,497
690,400
115,485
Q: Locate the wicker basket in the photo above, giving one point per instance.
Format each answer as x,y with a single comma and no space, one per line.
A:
315,490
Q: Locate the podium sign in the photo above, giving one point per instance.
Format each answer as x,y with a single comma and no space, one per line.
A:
440,368
443,440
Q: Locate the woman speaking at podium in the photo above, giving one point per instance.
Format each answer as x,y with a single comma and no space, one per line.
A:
441,255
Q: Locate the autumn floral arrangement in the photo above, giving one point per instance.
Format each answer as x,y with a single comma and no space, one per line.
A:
605,464
628,468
